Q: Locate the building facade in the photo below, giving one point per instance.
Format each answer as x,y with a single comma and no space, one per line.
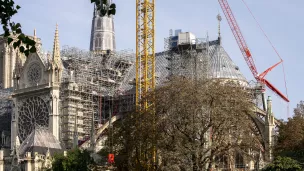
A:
10,58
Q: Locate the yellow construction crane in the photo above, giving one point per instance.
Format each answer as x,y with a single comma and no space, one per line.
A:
145,54
145,59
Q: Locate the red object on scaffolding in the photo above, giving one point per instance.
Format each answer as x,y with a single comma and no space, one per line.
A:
111,158
245,50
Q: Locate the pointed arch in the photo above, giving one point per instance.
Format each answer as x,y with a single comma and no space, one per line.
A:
97,41
114,42
113,29
109,42
99,23
101,42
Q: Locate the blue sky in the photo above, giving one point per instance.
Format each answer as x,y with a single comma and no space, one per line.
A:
281,20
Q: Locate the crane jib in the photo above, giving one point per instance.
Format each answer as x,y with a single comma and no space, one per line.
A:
244,48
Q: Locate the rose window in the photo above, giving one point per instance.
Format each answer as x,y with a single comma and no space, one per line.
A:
34,73
33,113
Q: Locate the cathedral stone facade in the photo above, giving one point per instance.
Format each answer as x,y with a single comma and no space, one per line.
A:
35,83
10,58
45,106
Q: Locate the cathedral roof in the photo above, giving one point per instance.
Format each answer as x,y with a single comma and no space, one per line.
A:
221,67
40,140
221,64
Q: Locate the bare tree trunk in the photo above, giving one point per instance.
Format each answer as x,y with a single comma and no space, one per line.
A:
194,162
211,161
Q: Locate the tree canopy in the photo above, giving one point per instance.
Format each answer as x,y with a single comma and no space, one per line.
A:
283,164
196,123
13,30
76,160
291,136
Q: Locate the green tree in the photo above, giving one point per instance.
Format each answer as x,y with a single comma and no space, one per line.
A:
291,136
76,160
13,31
283,164
133,141
104,7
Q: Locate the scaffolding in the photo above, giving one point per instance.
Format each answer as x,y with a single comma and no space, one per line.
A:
6,110
5,103
89,85
187,59
124,97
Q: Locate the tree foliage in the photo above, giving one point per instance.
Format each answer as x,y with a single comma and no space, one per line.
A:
205,120
104,7
133,141
291,136
76,160
195,123
283,164
13,31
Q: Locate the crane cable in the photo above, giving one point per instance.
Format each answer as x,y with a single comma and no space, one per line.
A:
285,82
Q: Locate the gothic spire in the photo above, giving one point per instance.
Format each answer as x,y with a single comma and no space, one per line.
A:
18,66
269,106
219,18
56,48
35,34
269,120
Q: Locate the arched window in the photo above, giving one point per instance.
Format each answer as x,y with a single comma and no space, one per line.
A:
106,42
109,42
99,23
101,42
97,41
113,25
114,43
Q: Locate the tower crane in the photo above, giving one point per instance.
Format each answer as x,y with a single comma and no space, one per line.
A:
145,55
145,61
246,52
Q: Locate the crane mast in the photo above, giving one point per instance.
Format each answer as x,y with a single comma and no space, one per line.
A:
145,54
145,63
245,49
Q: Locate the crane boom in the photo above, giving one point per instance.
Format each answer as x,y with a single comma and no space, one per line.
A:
238,36
245,49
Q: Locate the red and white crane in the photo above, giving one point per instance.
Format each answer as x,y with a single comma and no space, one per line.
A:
246,52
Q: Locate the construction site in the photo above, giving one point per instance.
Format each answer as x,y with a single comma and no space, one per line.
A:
89,86
80,97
